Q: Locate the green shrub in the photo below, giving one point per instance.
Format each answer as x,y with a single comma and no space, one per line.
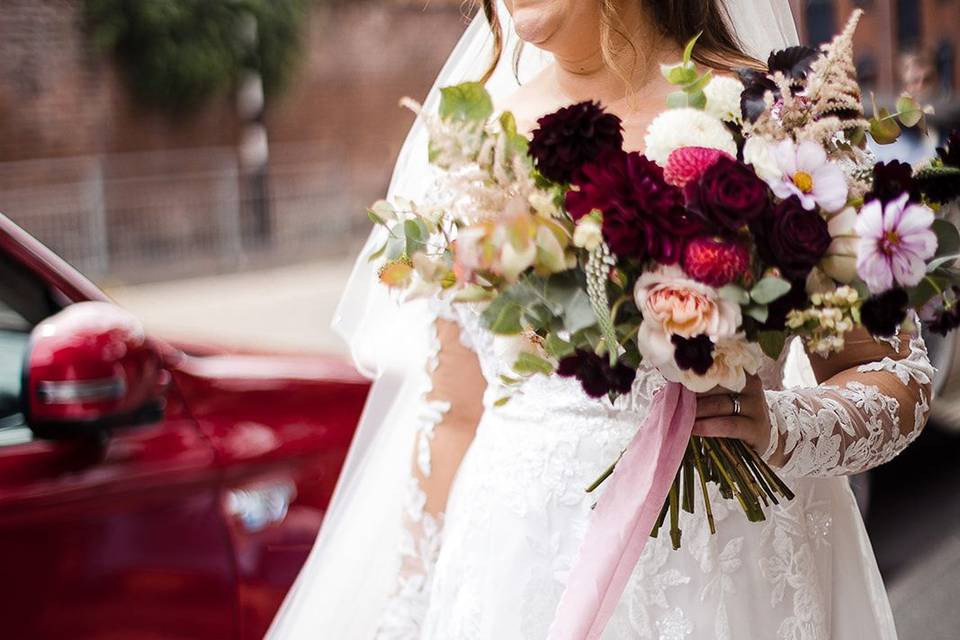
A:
179,53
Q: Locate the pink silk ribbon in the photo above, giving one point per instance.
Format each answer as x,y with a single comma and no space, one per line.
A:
625,515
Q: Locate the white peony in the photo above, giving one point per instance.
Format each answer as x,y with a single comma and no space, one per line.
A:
686,127
723,98
758,153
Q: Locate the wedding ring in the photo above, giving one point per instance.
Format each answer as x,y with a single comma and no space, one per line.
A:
735,398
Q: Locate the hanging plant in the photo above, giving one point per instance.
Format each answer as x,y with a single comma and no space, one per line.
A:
180,53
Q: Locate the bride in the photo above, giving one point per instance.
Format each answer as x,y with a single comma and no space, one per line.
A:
459,519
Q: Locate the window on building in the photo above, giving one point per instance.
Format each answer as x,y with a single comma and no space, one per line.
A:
945,60
908,23
821,21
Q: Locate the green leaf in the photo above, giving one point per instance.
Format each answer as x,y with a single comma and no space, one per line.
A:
697,100
948,237
516,142
735,293
910,112
557,347
884,128
678,100
379,252
528,363
698,84
499,402
936,263
416,234
772,342
758,312
396,243
679,74
929,288
502,316
769,289
468,101
688,50
374,218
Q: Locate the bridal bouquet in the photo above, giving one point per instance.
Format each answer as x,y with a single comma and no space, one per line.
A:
754,214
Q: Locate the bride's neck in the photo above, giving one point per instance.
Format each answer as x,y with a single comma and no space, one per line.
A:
582,73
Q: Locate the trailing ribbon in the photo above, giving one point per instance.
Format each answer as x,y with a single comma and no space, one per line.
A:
625,516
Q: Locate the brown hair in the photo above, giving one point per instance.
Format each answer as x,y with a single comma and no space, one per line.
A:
681,20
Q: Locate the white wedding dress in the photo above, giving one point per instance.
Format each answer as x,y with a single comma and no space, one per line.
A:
492,564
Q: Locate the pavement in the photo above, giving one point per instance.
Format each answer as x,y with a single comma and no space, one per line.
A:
913,513
284,309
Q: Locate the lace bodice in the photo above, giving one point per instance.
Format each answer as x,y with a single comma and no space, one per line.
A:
554,437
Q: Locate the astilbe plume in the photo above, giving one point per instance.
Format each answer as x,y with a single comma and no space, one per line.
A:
833,90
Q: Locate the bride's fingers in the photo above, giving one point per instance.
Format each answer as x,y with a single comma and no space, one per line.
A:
724,427
714,406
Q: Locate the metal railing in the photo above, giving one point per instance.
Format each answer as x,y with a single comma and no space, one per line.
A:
141,216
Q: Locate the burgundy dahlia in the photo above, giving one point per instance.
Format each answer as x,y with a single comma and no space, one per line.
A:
792,238
643,216
728,195
595,374
573,136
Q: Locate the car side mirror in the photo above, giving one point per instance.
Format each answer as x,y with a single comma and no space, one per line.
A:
90,369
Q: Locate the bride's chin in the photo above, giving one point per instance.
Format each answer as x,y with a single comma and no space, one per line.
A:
535,25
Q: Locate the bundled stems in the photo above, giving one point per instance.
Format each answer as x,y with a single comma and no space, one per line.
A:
737,470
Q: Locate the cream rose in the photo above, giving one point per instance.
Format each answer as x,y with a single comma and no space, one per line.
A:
673,304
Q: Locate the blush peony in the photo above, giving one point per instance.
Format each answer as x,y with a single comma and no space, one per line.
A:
674,305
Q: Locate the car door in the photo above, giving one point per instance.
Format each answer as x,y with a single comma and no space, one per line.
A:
121,537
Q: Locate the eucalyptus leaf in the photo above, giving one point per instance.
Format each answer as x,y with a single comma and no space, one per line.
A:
697,100
468,101
735,293
769,289
378,253
910,112
758,312
678,100
416,235
698,84
678,74
883,128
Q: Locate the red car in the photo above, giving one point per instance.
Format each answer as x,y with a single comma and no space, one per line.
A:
148,492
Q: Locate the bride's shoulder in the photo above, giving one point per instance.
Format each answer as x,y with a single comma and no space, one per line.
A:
530,101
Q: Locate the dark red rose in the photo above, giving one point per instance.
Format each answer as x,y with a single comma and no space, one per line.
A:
571,137
728,195
643,216
595,374
792,238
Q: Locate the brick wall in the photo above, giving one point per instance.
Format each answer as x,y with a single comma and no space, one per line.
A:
129,192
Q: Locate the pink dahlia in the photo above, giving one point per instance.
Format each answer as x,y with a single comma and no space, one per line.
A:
715,261
895,243
686,164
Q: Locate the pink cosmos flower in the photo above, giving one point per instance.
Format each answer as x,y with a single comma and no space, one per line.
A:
808,174
895,243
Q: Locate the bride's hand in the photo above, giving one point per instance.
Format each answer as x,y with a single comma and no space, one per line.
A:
716,416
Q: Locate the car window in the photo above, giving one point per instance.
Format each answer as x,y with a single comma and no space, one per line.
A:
24,302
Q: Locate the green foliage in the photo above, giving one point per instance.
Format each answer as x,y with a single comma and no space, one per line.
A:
179,53
468,101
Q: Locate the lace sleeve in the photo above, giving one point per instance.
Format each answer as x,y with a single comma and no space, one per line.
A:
873,402
447,421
